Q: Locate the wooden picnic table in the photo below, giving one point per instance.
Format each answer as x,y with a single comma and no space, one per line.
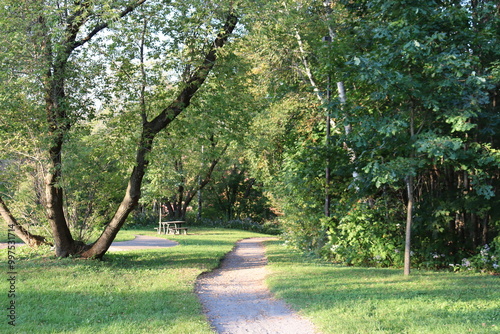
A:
169,226
172,227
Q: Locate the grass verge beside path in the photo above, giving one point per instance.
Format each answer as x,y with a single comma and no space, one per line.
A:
366,300
146,291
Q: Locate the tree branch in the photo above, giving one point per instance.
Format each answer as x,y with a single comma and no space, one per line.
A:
196,80
104,25
307,68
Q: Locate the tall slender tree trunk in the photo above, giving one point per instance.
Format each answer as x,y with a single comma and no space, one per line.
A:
409,206
409,223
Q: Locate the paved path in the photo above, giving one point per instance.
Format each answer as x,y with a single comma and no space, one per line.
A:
236,299
140,242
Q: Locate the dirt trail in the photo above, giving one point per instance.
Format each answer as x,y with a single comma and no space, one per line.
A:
236,299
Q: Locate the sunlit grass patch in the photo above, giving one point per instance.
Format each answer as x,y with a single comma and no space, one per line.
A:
367,300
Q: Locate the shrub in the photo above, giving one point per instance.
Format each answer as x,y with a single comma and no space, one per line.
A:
362,236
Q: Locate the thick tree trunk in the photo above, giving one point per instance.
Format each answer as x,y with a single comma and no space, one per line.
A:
29,239
58,126
63,241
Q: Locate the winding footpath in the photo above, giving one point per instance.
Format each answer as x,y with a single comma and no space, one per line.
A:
236,299
234,296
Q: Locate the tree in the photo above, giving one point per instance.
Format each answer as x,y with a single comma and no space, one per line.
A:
421,79
204,140
57,31
421,91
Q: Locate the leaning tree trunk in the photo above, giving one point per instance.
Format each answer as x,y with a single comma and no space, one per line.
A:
149,131
29,239
129,202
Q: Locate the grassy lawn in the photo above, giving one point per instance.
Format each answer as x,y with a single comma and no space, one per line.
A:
148,291
366,300
151,291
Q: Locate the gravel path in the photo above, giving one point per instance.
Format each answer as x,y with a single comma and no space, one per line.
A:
236,299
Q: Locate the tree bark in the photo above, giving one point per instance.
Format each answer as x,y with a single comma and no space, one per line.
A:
409,207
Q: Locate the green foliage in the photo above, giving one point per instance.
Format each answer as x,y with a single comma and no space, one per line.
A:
234,195
421,102
95,177
362,234
421,80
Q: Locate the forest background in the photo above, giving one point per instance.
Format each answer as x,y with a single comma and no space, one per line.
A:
353,127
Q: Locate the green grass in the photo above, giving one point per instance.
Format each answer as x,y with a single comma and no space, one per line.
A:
151,291
366,300
147,291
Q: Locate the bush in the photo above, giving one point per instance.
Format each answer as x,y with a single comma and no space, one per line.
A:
362,236
142,218
306,233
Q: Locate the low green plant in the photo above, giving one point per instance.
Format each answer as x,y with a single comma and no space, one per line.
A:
359,233
487,259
